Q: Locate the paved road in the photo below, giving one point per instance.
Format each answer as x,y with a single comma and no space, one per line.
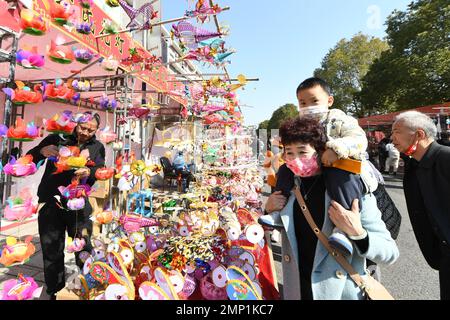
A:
410,278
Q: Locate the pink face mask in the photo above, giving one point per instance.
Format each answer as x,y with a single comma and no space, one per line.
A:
304,167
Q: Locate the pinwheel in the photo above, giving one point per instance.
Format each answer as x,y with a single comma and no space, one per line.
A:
32,24
106,135
22,288
20,207
59,53
21,167
83,55
84,27
60,12
29,58
23,94
110,64
61,124
16,252
145,13
23,131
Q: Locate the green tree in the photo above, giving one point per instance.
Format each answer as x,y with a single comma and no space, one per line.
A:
416,69
264,124
283,113
345,66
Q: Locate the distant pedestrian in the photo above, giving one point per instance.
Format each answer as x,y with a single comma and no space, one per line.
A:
382,153
426,184
392,159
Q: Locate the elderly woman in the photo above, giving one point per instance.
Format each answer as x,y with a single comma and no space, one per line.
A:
309,271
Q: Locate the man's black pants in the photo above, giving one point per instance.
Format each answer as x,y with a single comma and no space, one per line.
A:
53,224
444,273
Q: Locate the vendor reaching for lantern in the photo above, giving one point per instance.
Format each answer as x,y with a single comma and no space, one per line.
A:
82,155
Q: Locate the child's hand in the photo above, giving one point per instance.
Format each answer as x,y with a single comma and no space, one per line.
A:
328,157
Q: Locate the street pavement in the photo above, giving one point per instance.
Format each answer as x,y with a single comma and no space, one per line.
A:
410,278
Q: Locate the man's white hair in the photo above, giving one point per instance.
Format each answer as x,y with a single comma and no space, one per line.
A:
415,120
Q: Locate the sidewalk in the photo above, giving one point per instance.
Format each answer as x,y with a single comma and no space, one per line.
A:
33,267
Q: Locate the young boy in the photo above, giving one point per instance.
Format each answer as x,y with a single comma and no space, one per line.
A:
345,140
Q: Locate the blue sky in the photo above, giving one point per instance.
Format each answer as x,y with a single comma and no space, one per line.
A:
282,42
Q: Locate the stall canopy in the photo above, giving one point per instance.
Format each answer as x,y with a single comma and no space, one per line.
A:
388,119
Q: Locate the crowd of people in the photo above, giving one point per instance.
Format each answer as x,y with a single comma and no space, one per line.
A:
327,212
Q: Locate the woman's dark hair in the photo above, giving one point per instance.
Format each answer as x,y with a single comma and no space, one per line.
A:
304,130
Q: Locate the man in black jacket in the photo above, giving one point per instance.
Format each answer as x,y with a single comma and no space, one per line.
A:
426,185
54,220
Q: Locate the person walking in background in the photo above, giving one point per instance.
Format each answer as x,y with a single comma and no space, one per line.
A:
426,184
392,159
382,153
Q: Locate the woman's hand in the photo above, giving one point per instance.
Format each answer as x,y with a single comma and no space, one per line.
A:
275,202
347,221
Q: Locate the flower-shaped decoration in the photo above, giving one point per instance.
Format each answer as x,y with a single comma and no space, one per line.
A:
21,167
106,135
60,53
108,104
75,193
83,55
104,173
84,27
109,27
75,245
23,131
20,207
71,158
60,123
60,12
29,58
22,288
87,4
16,252
60,91
81,85
110,64
23,94
112,3
31,23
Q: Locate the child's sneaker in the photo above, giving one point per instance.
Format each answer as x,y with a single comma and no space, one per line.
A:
339,241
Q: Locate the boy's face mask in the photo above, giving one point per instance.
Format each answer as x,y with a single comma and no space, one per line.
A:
313,111
304,167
